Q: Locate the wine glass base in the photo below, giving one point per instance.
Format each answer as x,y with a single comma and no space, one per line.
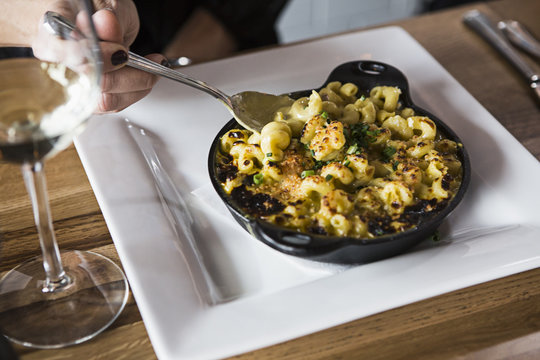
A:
34,317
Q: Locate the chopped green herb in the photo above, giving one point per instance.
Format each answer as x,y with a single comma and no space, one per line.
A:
388,152
373,132
363,97
361,136
258,179
324,115
346,162
328,177
395,165
269,154
312,152
352,149
307,173
319,164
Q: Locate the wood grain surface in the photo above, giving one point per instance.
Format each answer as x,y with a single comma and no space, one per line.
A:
495,320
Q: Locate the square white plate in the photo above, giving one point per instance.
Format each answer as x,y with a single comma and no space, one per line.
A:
268,297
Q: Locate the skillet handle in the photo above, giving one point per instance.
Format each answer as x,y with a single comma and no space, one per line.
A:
291,242
287,243
367,74
375,70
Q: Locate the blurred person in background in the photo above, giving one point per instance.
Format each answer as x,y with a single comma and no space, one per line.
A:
434,5
205,30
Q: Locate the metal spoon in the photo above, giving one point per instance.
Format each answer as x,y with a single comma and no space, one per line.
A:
518,35
251,109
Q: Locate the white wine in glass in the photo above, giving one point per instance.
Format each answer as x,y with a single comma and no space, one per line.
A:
46,95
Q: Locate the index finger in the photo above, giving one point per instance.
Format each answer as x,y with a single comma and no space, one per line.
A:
107,26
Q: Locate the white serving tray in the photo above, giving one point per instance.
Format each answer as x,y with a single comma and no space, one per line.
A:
269,297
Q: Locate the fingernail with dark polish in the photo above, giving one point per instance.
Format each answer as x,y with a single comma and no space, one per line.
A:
165,62
118,58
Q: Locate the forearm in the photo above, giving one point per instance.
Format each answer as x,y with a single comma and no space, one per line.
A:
19,20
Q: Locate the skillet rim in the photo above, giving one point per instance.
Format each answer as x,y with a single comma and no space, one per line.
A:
321,247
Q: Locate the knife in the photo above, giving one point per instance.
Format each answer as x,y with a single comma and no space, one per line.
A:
179,216
480,23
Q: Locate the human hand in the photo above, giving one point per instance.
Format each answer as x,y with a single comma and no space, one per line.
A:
121,86
117,24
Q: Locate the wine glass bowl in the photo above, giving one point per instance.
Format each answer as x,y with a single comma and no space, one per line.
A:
47,93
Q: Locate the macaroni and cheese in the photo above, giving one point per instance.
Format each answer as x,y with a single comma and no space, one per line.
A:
340,163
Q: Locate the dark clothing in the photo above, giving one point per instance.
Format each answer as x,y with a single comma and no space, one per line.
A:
251,22
433,5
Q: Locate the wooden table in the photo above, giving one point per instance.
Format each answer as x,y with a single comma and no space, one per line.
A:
494,320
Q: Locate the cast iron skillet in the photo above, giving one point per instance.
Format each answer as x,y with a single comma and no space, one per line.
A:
335,249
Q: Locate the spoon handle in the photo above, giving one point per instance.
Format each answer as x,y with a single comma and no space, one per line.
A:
62,27
144,64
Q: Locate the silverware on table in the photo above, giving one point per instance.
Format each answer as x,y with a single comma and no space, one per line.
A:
519,36
480,23
179,216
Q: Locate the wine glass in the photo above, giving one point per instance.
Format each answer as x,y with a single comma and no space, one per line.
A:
46,95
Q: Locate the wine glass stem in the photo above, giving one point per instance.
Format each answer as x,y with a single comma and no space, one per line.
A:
36,185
